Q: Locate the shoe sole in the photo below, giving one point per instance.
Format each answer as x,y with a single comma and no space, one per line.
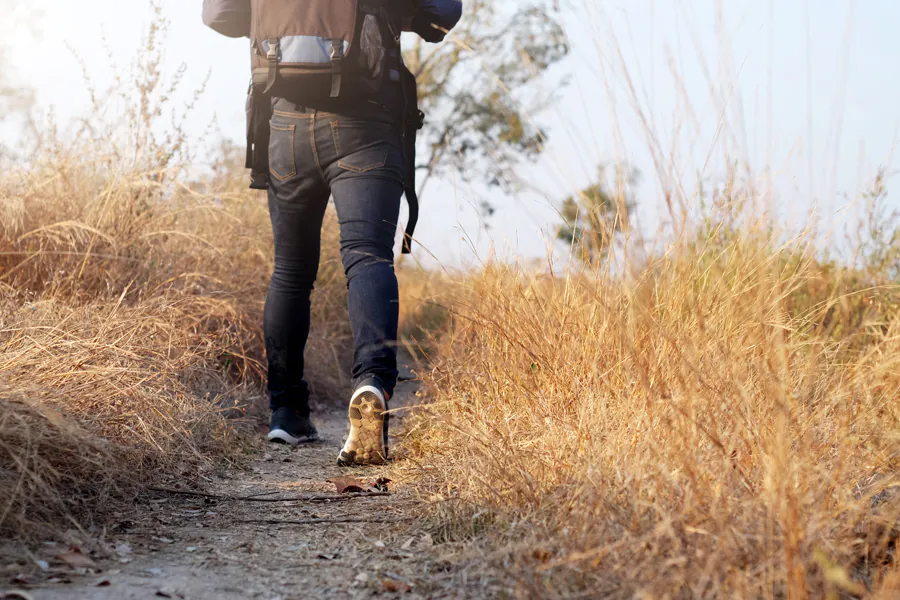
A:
365,443
280,436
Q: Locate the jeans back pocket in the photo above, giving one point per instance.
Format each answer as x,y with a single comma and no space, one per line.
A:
363,145
282,161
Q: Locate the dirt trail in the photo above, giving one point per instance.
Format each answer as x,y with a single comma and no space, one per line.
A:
204,548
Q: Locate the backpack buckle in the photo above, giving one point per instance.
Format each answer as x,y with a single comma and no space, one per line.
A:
272,58
337,59
274,47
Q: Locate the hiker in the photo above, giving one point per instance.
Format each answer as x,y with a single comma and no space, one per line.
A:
332,112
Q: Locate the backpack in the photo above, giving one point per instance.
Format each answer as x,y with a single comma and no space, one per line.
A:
326,49
333,48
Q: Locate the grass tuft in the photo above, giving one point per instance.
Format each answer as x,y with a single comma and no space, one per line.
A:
720,423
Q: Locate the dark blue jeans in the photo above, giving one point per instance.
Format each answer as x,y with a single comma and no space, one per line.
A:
358,161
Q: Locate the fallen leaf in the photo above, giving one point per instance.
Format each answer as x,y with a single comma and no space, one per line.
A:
408,543
348,485
103,583
76,559
381,484
392,585
43,564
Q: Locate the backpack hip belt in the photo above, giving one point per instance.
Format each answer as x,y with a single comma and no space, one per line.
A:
329,49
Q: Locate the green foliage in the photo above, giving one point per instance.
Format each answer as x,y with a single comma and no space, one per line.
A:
479,89
594,216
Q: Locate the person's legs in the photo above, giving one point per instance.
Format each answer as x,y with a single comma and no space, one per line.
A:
373,297
366,177
298,195
367,186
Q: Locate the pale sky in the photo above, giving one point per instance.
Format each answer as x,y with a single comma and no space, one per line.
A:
808,87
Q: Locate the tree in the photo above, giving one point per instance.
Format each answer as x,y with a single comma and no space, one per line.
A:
596,215
480,88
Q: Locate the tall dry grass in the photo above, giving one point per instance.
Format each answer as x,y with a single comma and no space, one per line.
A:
132,309
716,418
724,423
132,294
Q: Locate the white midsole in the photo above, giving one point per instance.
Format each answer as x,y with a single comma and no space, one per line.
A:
284,436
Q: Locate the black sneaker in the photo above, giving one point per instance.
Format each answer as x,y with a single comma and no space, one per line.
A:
367,443
290,427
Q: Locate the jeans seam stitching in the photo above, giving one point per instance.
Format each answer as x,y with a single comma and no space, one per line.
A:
315,149
334,134
366,169
293,115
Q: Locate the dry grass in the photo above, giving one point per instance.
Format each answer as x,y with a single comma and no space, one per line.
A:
134,309
717,420
424,318
46,455
131,310
722,424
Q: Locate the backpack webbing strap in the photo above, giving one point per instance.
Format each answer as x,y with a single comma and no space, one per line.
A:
337,60
272,58
413,121
412,199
